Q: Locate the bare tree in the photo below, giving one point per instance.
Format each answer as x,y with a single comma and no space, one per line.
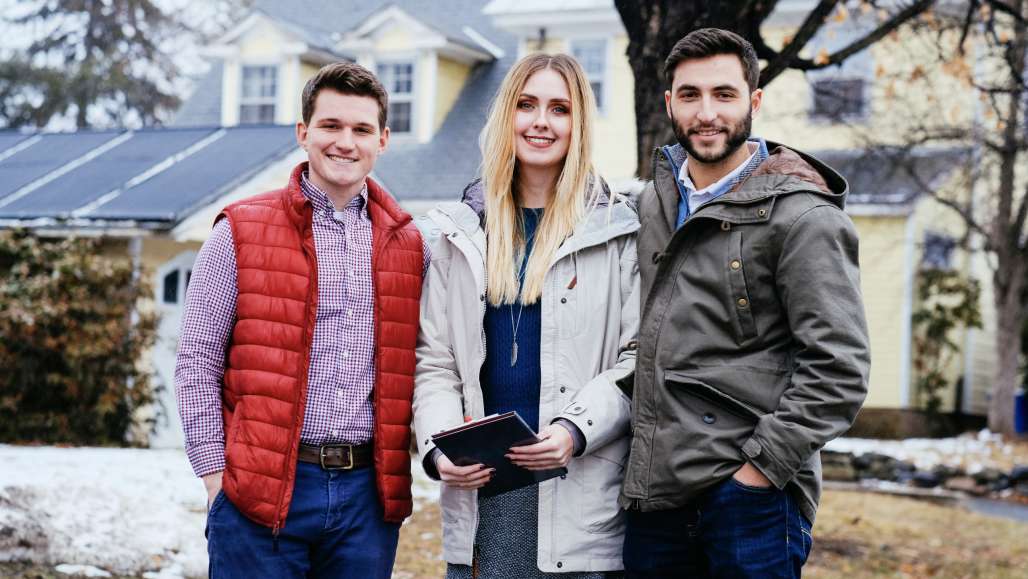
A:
968,92
653,27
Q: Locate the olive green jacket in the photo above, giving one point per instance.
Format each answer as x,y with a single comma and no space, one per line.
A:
752,340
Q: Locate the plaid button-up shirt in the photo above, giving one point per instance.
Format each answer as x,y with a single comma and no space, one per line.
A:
342,369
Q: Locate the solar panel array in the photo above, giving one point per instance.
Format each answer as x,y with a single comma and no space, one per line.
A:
148,175
45,156
201,177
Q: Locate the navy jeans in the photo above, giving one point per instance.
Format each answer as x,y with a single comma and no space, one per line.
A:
732,531
334,530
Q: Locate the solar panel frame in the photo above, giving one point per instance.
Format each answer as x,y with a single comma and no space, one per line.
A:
52,152
9,140
107,172
199,179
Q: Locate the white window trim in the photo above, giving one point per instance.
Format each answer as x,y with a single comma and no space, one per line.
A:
249,101
605,81
863,116
411,97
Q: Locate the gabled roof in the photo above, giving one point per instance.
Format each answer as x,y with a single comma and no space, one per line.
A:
440,168
332,18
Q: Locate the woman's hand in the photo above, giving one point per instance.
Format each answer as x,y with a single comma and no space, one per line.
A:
462,477
553,451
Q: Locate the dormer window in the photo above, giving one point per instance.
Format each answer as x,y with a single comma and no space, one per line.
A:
258,95
838,99
591,54
398,79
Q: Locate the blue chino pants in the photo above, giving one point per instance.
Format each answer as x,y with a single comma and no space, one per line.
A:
732,531
334,530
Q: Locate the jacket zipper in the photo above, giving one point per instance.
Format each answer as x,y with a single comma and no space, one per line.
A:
301,398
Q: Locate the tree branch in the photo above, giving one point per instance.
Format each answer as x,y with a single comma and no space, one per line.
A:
1006,9
972,7
813,22
875,35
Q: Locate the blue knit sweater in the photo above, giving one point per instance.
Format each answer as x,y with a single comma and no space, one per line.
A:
516,387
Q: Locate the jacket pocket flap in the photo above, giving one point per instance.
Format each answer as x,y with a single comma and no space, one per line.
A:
712,395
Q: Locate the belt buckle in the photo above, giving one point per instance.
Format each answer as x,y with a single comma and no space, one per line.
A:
321,456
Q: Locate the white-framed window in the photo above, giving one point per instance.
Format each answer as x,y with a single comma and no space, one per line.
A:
842,93
174,284
398,79
938,251
839,98
591,54
258,94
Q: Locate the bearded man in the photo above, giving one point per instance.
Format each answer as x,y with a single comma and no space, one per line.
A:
753,347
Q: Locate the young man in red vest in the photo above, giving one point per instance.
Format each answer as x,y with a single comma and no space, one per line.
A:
296,359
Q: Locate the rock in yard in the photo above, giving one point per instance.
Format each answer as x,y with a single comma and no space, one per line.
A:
837,466
965,484
993,478
926,480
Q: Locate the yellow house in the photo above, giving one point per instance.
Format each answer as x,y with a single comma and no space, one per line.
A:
154,193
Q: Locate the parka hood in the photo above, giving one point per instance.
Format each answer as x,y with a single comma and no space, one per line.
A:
785,171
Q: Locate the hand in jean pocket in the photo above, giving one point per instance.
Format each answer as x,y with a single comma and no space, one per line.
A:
751,476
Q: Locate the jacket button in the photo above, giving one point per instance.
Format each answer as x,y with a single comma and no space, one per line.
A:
563,477
481,298
563,300
562,389
559,564
761,212
589,422
709,418
736,264
428,440
743,302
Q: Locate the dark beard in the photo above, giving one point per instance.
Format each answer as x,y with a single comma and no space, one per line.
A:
737,136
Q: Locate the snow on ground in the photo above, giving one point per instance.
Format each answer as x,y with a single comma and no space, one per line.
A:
142,512
126,511
971,452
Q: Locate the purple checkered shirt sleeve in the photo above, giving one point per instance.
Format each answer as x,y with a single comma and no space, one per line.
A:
210,313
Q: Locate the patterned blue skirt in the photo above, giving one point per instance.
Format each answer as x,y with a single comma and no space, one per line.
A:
506,544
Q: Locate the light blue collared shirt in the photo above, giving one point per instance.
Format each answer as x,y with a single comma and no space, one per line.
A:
691,198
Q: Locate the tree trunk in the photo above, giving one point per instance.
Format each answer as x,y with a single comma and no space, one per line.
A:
1007,241
1010,320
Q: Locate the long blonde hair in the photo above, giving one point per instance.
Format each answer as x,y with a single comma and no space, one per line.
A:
504,230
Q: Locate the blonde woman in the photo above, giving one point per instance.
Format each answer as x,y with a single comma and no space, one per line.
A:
531,304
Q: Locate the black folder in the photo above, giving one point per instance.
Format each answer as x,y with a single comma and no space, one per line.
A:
486,441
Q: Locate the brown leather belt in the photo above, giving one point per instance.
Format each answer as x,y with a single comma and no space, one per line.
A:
338,456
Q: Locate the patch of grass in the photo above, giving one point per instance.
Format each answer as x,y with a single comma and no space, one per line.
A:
864,535
420,552
857,536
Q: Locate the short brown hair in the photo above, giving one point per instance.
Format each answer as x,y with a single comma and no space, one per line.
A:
347,78
706,42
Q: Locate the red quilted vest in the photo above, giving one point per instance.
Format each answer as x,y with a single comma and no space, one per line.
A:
265,386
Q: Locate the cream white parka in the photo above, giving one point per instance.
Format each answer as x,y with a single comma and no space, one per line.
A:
590,312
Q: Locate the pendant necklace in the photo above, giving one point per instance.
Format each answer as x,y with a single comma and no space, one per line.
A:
521,305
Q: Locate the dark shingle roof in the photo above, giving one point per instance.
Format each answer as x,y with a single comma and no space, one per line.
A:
203,107
328,18
892,176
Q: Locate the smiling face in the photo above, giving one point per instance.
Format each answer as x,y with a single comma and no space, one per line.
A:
711,107
342,141
542,121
